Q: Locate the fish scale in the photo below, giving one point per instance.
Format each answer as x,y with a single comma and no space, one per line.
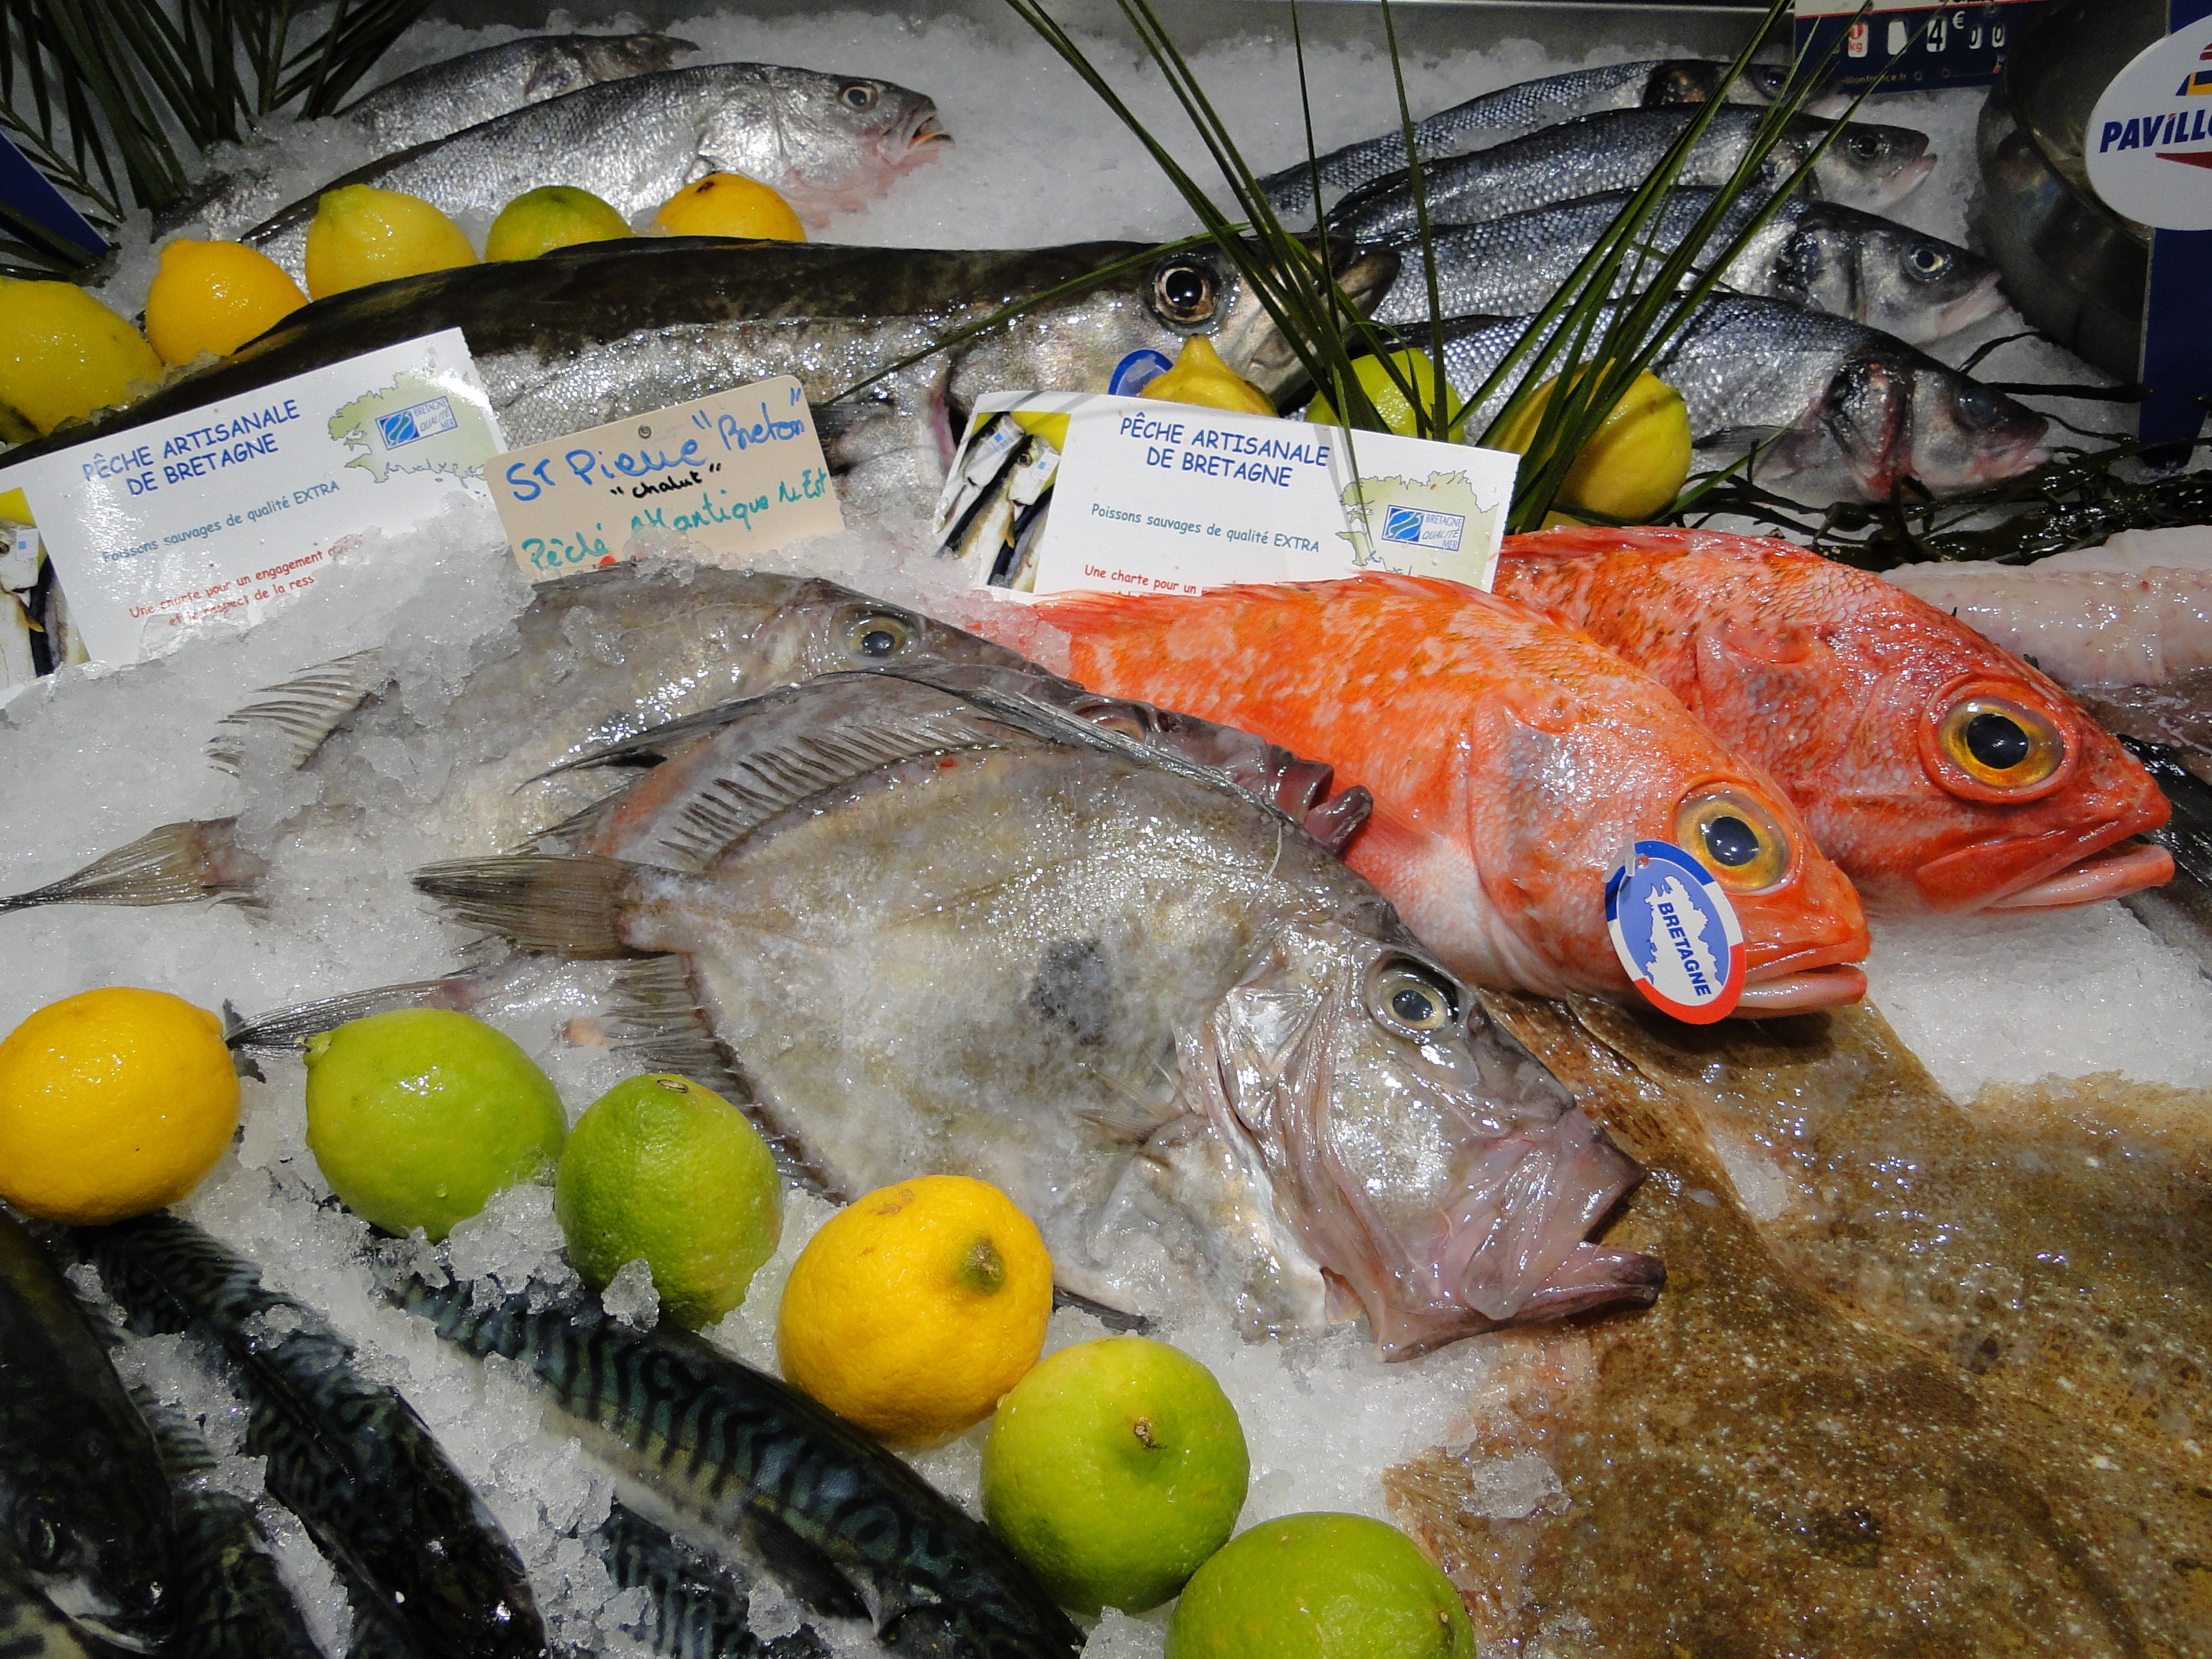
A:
723,1443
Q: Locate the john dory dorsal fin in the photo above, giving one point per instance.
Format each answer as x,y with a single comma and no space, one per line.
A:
300,713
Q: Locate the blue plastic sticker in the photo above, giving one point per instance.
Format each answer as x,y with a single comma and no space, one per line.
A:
423,420
1137,371
1676,933
1417,526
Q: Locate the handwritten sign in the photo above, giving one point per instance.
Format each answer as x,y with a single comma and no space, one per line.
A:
730,475
1059,490
228,509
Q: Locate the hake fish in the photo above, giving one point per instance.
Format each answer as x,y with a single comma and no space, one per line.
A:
825,142
1818,255
1650,83
84,1509
1867,167
957,930
1837,410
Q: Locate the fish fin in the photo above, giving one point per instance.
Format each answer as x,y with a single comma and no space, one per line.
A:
290,1028
300,712
1337,820
564,906
802,1570
653,745
174,863
656,1016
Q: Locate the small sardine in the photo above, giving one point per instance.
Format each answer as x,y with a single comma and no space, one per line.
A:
1818,255
739,1452
348,1456
84,1509
1868,167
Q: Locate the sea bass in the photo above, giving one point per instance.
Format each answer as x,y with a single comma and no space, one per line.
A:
1868,167
1522,107
83,1500
349,1456
826,143
591,334
1938,769
1511,759
1838,411
718,1443
1818,255
938,926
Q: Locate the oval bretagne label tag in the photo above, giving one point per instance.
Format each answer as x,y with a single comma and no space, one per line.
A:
1675,931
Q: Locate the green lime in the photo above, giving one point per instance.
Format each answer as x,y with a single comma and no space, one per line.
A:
1320,1587
416,1117
554,215
1390,402
662,1168
1113,1469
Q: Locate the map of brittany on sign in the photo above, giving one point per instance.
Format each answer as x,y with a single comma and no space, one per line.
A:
415,425
1417,527
1682,967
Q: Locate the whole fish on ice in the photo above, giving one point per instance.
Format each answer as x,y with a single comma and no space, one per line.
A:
1819,255
935,924
826,143
1939,771
1836,411
1511,759
1868,167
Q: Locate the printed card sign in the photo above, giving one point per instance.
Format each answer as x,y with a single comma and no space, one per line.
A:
729,476
1675,931
1051,491
229,509
2148,146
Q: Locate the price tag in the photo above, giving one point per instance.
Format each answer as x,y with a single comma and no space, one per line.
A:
730,477
1911,44
1675,931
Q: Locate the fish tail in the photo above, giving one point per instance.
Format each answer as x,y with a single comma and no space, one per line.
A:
290,1028
564,906
175,863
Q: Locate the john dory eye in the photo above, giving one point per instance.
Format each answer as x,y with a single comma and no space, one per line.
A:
859,94
38,1531
1412,999
878,636
2000,744
1735,837
1185,292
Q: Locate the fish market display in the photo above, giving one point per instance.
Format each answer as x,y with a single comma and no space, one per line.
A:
1869,166
81,1483
1647,84
957,930
590,334
349,1457
1817,255
2134,612
824,142
1838,411
1510,758
1940,771
721,1444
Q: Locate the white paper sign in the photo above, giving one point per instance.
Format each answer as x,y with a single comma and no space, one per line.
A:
2148,146
231,508
1051,491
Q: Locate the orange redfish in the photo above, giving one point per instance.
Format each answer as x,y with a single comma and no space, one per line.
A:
1511,760
1940,771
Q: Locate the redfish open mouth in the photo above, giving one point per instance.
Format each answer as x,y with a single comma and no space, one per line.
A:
2108,874
1803,992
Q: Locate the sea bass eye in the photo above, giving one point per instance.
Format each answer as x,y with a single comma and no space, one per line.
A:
879,636
858,95
1735,836
1865,146
1185,291
2001,744
1927,260
1415,1000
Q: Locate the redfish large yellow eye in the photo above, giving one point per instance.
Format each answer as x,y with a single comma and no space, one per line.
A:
2000,744
1733,835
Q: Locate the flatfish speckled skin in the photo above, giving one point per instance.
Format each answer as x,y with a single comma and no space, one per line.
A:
84,1508
724,1444
349,1457
1848,1429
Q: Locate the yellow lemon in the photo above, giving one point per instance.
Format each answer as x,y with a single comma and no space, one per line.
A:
361,234
216,296
1392,404
556,216
729,204
1633,465
1199,376
113,1102
916,1307
14,507
63,355
1050,427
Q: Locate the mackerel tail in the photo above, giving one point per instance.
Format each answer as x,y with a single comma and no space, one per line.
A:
736,1449
350,1458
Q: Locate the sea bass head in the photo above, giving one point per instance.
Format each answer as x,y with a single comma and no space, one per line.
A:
1939,771
842,138
1887,275
1893,414
1869,165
